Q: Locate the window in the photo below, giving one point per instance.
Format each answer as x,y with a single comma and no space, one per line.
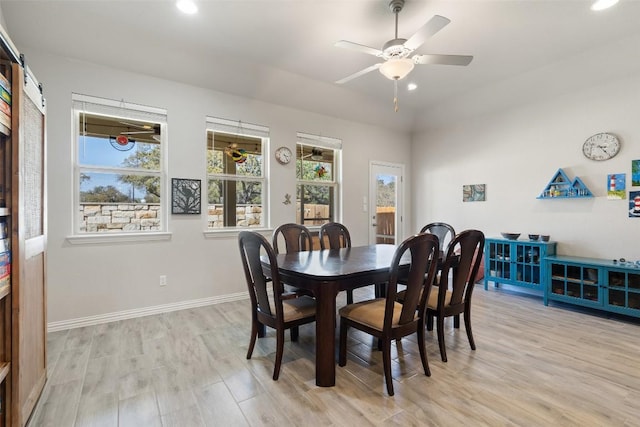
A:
119,177
318,176
236,183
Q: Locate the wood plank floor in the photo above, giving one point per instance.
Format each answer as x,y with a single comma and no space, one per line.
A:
534,366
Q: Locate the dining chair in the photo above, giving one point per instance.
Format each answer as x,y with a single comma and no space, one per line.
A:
296,238
387,319
452,295
271,307
334,235
444,231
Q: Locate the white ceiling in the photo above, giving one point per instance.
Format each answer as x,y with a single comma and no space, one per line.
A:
282,51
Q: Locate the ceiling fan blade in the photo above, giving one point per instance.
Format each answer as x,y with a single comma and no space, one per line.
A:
432,26
358,47
137,132
359,73
443,59
137,125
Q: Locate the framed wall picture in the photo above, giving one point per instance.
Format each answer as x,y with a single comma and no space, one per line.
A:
474,193
635,173
185,196
616,186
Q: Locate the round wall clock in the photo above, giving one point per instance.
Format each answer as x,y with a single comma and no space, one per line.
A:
283,155
601,146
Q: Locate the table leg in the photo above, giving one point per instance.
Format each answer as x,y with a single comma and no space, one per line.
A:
325,335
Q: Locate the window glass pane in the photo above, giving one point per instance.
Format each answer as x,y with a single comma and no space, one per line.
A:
114,142
118,149
234,203
314,163
315,204
114,187
117,202
234,154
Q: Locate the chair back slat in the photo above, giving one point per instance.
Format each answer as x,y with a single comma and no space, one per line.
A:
424,251
336,234
444,231
464,256
297,238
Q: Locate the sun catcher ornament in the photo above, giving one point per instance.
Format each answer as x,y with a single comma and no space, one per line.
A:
239,155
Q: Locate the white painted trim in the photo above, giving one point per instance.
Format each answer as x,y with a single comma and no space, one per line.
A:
91,239
233,232
141,312
34,246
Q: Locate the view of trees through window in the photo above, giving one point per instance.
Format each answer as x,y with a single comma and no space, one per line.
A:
119,169
235,172
113,188
316,186
386,193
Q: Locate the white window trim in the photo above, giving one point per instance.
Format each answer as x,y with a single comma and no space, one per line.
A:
115,108
237,127
328,143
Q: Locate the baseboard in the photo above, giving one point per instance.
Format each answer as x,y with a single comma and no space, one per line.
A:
140,312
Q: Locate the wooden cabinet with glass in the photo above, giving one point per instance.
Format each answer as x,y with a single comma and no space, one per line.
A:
516,262
595,283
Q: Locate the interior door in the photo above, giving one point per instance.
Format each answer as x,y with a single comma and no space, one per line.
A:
385,202
28,257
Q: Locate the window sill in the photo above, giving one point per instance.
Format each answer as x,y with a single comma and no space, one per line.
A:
92,239
233,232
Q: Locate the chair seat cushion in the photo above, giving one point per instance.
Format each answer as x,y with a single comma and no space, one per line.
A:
432,303
371,313
298,308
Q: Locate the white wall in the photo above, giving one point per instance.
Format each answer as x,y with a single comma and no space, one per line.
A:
516,152
100,279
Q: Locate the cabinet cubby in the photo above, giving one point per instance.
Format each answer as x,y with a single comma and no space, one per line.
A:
516,262
561,187
594,283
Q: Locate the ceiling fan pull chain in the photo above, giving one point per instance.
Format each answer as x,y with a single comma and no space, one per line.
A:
395,95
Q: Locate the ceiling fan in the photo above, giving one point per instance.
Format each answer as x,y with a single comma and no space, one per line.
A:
396,53
145,129
316,154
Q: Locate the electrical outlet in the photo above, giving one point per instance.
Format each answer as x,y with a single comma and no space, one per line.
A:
163,280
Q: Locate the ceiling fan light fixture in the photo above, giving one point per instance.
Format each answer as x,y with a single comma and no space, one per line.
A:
603,4
187,6
397,69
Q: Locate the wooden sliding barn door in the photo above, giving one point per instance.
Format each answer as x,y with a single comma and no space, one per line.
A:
29,337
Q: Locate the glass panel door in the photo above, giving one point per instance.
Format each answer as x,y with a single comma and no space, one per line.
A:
385,190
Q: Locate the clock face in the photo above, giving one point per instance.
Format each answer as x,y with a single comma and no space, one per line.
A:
601,146
283,155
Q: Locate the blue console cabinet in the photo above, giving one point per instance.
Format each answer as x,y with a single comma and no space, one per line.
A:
516,262
594,283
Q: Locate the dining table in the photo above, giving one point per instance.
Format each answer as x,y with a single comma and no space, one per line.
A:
325,273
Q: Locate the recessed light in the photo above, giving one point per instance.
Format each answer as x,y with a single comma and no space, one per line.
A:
603,4
187,6
412,86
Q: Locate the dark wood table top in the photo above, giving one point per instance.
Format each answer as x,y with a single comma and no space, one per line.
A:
334,264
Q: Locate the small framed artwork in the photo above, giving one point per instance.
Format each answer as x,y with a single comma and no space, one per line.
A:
185,196
635,173
616,186
634,204
474,193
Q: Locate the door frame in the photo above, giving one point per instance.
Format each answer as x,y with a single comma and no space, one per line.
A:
400,206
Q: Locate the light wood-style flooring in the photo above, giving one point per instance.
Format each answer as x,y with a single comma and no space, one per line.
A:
534,366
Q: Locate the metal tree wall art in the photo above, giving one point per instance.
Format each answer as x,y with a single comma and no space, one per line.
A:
185,196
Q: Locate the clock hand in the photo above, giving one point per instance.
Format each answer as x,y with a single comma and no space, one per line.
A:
603,149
